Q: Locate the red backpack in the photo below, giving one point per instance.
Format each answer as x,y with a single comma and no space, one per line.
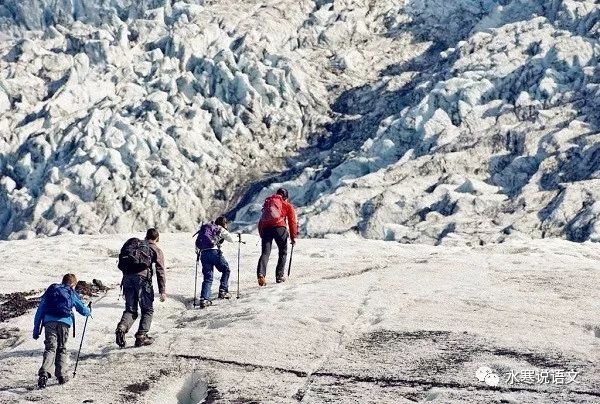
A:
273,210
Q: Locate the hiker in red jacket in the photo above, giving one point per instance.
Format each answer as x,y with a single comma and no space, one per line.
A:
277,214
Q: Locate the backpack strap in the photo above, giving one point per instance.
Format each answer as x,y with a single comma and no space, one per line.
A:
151,269
221,239
71,291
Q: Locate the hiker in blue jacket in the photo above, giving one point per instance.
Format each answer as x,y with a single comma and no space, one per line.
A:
55,314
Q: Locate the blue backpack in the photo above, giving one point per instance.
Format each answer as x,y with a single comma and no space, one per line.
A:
59,300
209,236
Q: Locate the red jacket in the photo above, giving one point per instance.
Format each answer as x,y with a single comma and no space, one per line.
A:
289,214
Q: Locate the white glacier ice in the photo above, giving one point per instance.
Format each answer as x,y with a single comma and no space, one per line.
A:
418,121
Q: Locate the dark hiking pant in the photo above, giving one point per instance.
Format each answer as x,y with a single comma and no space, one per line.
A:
55,354
280,235
211,259
138,291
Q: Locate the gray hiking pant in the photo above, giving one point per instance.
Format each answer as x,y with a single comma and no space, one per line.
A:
55,354
280,235
138,291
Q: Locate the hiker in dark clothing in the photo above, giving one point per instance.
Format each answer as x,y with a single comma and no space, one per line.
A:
55,314
208,247
138,291
277,214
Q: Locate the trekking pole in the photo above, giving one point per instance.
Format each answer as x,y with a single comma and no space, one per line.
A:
196,277
291,255
240,242
81,343
239,251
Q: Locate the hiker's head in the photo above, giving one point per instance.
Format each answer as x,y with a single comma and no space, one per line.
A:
69,280
221,221
283,192
152,235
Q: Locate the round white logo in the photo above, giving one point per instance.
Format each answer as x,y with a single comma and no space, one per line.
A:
492,380
482,372
487,375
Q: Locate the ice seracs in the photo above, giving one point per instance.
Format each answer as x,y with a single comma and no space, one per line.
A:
162,114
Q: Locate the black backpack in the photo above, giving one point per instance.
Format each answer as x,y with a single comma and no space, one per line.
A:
136,255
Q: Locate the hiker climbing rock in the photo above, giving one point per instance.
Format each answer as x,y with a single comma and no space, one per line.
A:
135,260
55,314
208,249
277,214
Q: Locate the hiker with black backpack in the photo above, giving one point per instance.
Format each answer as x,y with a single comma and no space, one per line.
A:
277,214
135,260
208,250
55,315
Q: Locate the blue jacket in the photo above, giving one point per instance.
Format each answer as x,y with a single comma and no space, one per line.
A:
42,318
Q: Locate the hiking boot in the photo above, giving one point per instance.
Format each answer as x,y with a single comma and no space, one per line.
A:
224,295
42,381
280,280
262,281
143,340
62,379
205,303
120,338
